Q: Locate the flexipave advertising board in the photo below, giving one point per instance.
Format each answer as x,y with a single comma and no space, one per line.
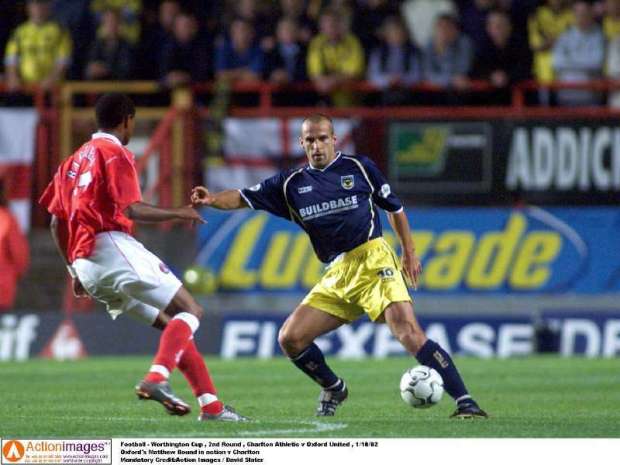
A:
588,334
243,334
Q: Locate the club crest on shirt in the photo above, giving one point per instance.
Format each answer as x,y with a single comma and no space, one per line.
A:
347,181
385,191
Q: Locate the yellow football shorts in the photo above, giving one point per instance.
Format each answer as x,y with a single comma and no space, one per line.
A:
364,280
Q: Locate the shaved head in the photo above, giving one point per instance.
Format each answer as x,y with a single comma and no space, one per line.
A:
318,118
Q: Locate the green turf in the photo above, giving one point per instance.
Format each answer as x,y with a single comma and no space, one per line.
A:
531,397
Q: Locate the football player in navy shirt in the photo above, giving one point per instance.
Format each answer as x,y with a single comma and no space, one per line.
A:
334,198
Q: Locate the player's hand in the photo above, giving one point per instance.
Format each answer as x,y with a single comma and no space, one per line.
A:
78,289
189,213
201,196
412,268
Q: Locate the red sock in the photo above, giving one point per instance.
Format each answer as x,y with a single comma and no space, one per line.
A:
193,367
172,342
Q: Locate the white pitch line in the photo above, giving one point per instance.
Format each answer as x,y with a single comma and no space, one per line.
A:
318,427
314,426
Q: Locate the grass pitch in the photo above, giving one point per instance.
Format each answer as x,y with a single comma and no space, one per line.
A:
530,397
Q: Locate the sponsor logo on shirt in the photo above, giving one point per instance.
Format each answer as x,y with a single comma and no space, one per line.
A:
327,208
304,189
163,268
347,181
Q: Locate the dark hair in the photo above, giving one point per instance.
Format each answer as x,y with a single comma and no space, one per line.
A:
448,17
112,109
332,13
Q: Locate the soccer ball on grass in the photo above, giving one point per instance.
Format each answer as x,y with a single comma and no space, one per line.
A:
421,387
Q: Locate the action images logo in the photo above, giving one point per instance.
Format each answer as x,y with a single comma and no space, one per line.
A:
13,451
57,451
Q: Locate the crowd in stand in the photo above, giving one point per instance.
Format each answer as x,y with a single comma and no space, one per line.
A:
392,44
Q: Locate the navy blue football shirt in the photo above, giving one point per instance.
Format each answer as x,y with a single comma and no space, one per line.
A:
335,205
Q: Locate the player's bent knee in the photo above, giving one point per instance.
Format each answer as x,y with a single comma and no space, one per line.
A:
291,341
410,336
195,308
184,302
197,311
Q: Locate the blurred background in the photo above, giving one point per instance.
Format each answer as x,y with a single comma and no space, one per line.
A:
496,122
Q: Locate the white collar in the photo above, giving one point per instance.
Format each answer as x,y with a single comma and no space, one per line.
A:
330,163
106,135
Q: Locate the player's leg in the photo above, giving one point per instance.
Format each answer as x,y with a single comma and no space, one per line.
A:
193,367
296,339
191,364
185,315
401,320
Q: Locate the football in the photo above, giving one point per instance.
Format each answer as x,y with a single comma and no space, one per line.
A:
421,387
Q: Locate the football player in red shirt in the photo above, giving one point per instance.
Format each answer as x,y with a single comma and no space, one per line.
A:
94,199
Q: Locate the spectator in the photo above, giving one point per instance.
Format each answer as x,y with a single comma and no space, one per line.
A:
9,20
504,60
38,51
249,11
157,34
240,58
519,12
294,10
111,56
368,18
130,11
449,55
345,11
420,16
335,57
611,20
395,64
544,27
186,58
75,16
578,56
14,254
287,61
613,69
473,18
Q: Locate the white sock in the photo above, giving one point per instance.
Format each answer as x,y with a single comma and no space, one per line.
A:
192,321
206,399
162,370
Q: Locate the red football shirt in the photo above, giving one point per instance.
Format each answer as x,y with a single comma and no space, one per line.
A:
91,189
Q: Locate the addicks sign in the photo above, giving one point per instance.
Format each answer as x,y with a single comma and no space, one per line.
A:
502,161
564,158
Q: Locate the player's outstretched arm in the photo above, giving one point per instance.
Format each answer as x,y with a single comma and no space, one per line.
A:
411,263
225,200
60,234
140,211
